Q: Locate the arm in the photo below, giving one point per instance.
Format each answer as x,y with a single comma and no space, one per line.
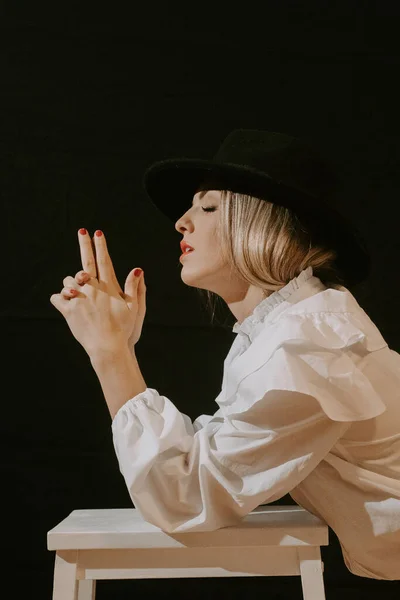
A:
287,413
120,377
181,480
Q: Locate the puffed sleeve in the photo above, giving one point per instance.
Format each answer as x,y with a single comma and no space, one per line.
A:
186,478
284,403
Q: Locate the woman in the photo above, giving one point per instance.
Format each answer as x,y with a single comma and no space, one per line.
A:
309,403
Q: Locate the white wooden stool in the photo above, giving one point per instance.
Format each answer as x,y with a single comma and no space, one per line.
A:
119,544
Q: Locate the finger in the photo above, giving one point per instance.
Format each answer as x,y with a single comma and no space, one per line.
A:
60,302
68,281
142,286
141,297
82,277
69,292
105,268
141,306
69,284
87,254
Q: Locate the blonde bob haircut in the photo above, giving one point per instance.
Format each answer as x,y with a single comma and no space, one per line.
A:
268,245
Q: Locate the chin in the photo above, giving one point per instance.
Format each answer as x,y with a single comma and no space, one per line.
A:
188,279
193,278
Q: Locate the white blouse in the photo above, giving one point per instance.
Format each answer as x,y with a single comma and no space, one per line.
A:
309,405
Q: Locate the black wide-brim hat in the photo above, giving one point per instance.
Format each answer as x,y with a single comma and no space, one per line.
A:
270,166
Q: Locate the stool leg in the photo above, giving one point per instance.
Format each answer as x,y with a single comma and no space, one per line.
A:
87,589
311,569
65,585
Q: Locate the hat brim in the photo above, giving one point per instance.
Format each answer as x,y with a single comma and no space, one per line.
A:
171,184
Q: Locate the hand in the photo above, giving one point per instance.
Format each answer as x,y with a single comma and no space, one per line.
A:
102,318
82,277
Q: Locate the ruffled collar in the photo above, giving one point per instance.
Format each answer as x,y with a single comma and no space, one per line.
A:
265,307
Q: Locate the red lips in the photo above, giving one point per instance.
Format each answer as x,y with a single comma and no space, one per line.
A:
185,245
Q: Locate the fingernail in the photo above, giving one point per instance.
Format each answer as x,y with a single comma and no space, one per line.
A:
137,272
83,231
99,233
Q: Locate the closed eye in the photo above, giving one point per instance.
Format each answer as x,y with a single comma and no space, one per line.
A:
208,209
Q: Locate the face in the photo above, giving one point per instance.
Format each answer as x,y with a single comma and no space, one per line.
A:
204,268
198,227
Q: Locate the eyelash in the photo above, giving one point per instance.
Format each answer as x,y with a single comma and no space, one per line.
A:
208,209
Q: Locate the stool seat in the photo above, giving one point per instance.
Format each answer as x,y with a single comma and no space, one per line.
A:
118,544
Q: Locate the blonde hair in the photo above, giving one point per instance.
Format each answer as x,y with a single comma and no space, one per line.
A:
268,245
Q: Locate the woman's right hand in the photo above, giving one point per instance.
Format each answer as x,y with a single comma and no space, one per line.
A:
82,277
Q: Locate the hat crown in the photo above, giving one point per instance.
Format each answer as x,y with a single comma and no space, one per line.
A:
284,158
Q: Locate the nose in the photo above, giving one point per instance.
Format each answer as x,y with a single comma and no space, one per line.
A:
180,226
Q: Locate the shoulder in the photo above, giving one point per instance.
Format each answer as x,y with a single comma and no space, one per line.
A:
309,349
332,318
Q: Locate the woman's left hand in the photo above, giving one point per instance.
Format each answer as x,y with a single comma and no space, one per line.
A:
101,317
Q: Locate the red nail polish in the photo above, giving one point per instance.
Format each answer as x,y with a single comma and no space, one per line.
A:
83,231
99,233
137,272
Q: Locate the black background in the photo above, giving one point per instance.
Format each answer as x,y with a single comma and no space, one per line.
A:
89,98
